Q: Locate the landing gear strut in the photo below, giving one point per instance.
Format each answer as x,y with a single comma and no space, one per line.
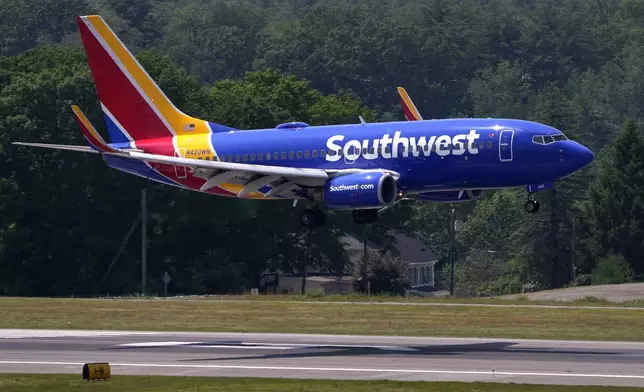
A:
312,218
365,216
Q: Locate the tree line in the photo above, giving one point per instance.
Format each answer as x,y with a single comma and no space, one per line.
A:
574,64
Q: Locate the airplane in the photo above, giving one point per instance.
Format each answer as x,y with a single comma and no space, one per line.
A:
366,168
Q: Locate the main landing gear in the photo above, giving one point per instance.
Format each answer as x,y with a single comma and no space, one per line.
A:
362,217
365,216
312,218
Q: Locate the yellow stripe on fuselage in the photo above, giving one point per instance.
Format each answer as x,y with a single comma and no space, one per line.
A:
198,147
177,120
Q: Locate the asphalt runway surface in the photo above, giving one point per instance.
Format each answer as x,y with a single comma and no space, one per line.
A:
324,356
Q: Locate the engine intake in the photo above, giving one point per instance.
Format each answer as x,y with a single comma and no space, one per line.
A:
361,190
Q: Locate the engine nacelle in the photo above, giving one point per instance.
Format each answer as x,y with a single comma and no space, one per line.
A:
451,196
370,189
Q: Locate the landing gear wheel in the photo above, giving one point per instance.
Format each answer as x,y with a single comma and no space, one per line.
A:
365,216
311,218
531,206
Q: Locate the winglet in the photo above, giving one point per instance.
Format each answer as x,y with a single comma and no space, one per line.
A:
93,138
408,106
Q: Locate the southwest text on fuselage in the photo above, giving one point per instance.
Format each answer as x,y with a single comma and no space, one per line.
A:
388,148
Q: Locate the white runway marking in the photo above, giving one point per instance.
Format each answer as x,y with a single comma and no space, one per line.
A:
337,369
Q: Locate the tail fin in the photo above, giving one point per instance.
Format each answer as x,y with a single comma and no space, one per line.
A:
411,113
93,138
135,107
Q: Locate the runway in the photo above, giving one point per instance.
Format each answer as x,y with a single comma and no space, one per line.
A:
324,356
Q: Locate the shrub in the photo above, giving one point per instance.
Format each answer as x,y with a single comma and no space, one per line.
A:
612,269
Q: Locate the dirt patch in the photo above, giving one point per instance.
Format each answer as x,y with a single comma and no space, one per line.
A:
608,292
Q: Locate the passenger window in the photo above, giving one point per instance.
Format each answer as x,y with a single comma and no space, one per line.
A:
238,158
322,153
299,154
245,157
276,156
207,158
306,154
283,155
252,157
290,155
371,150
230,158
268,156
388,149
426,147
315,153
489,144
481,145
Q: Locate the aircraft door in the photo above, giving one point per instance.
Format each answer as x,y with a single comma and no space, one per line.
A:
180,171
505,145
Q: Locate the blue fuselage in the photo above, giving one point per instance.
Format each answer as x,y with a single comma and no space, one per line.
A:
428,155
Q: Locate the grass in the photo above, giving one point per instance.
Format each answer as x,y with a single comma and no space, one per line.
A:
521,300
70,383
326,318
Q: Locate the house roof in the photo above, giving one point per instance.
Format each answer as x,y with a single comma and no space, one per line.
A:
408,248
412,249
352,243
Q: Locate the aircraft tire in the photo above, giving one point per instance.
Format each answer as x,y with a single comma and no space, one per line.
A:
365,216
532,206
311,218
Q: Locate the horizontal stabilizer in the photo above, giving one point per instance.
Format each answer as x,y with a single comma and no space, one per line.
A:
59,147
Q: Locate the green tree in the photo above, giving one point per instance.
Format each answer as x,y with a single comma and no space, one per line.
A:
617,200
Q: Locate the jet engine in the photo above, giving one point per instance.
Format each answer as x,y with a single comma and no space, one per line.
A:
369,189
451,196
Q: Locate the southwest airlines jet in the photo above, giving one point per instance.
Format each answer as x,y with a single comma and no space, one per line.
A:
363,167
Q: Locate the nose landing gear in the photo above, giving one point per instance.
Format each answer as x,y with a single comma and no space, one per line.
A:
531,206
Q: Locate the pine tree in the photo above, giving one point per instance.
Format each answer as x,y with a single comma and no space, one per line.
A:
617,200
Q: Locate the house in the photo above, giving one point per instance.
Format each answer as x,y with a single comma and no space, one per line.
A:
419,259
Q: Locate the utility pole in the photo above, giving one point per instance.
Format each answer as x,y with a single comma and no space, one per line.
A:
451,253
144,266
572,258
364,260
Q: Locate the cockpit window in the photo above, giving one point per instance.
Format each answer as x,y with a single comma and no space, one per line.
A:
549,139
559,137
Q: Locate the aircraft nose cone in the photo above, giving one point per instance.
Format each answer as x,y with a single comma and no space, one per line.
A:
581,155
